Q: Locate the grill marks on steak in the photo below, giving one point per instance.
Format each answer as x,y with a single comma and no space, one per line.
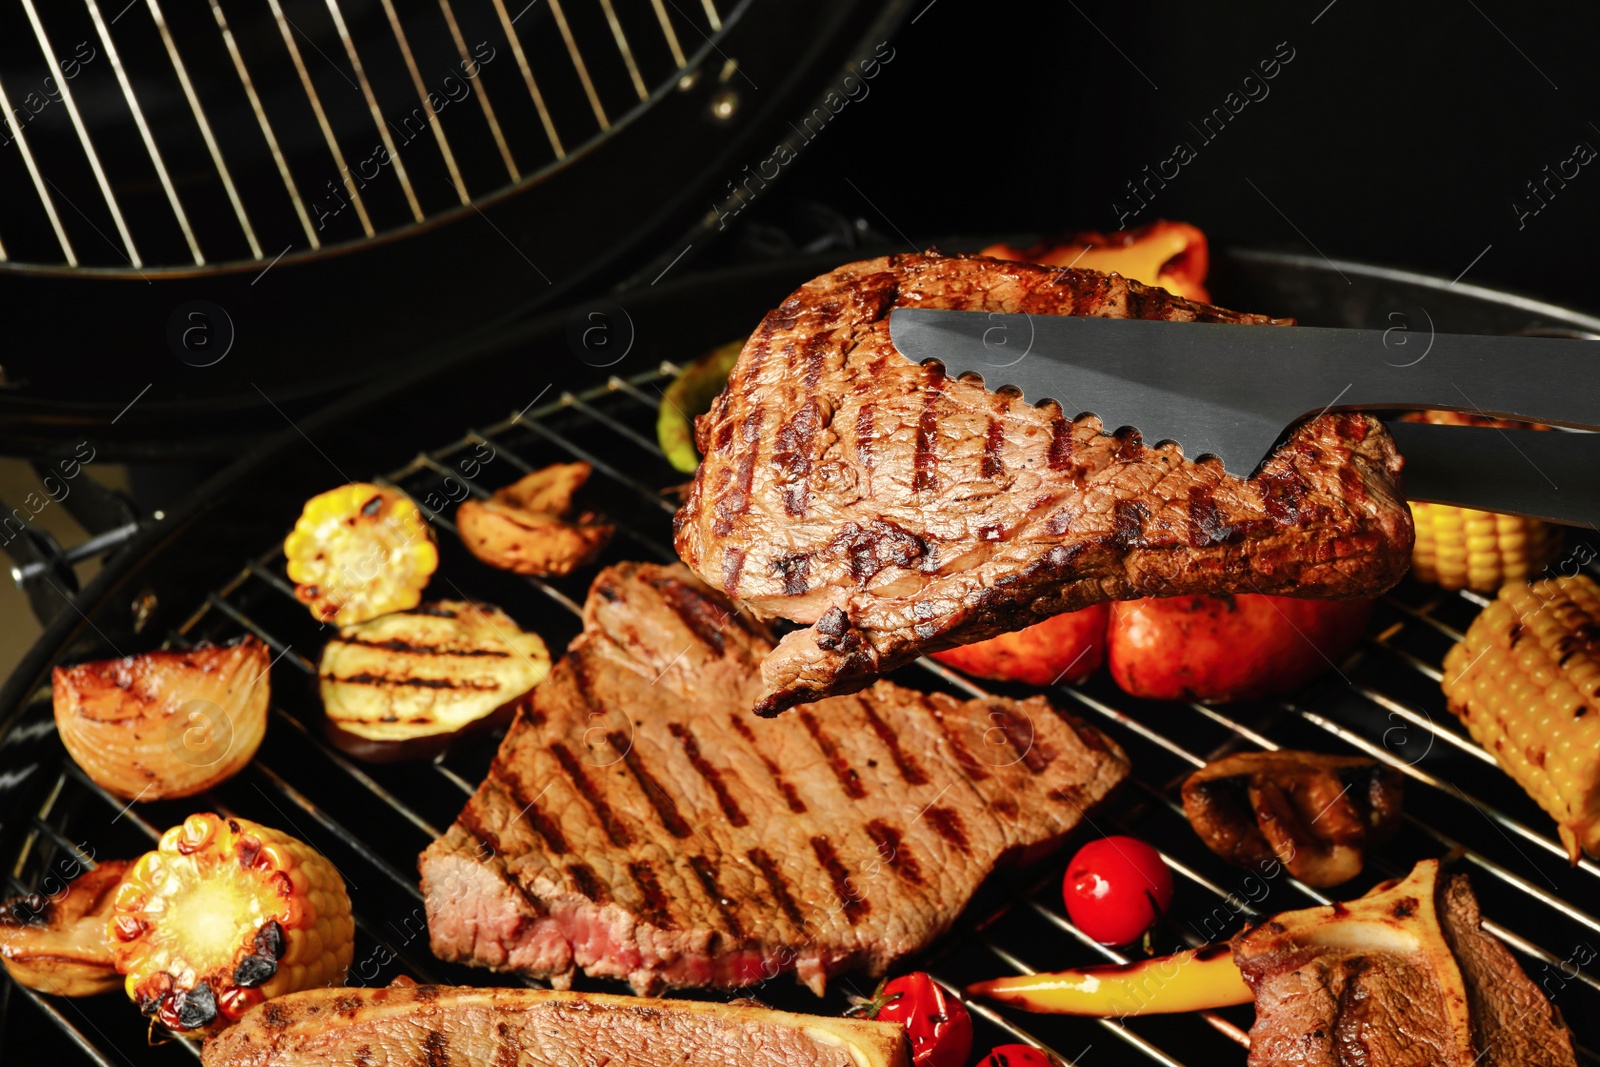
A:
899,511
634,825
1513,1024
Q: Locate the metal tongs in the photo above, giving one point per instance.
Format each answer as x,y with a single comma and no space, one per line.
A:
1232,391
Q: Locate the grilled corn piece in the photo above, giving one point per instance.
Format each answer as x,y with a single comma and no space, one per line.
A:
427,671
1459,548
1526,682
358,552
224,914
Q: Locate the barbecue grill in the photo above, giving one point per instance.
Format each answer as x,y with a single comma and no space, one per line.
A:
214,570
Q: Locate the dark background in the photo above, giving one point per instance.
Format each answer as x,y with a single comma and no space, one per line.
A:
1401,133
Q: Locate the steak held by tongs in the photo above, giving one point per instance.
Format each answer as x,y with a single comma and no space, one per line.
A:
897,511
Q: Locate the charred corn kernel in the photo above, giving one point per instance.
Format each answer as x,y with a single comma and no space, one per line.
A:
1526,683
224,914
1459,548
358,552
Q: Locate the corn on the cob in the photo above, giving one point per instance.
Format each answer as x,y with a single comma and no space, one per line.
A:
224,914
358,552
1526,682
1459,548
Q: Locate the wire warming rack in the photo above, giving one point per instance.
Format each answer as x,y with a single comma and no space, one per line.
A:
137,135
1383,702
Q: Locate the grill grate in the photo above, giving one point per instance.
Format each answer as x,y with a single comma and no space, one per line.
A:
136,137
371,820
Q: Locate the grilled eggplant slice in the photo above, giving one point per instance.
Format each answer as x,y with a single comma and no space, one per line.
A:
165,724
525,527
1315,814
425,674
57,943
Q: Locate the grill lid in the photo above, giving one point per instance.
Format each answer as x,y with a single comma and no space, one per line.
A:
294,196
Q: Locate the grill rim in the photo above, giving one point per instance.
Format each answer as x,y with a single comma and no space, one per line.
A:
235,477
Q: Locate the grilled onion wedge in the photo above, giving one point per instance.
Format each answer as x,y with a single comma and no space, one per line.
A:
425,674
57,943
165,724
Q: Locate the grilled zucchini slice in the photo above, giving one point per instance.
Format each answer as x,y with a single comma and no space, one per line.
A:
429,671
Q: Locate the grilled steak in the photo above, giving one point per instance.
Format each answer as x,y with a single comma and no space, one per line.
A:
535,1027
1323,1006
636,825
898,511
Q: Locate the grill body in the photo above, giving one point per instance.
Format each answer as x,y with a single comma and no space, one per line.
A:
215,571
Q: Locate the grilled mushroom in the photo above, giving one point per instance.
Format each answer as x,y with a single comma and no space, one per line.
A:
1315,814
525,527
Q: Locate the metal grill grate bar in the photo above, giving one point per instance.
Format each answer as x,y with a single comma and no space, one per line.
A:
508,26
130,252
47,1005
205,127
372,108
266,126
579,65
149,140
38,179
669,33
627,52
437,125
471,67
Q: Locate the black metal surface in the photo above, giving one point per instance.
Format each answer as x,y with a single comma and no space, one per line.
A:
1231,390
371,821
1544,475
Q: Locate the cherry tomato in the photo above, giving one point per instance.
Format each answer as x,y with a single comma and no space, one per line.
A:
1017,1056
1116,888
939,1028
